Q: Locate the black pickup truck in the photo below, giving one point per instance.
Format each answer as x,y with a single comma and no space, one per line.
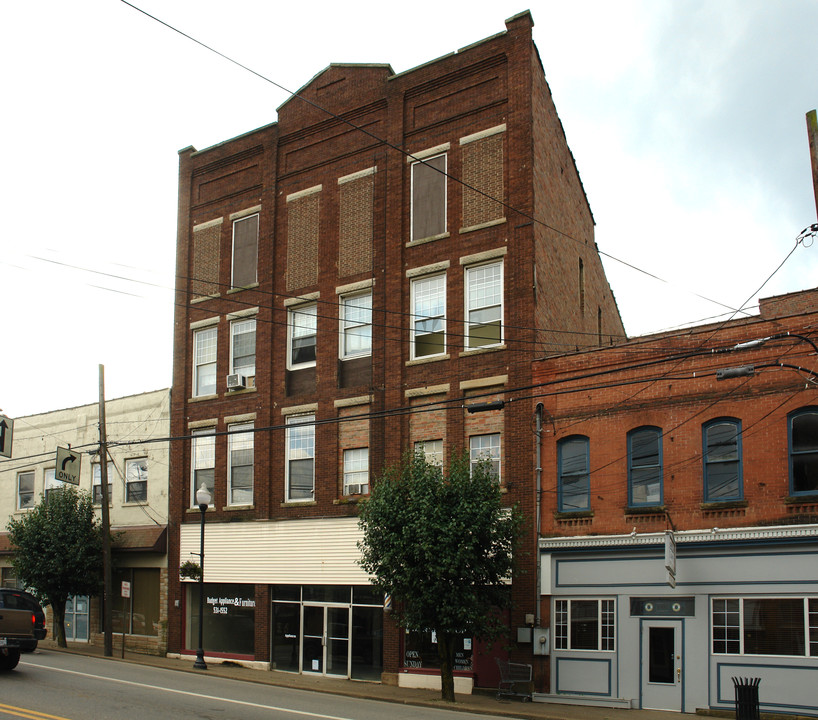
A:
16,630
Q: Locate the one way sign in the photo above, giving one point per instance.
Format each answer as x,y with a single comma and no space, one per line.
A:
68,466
6,432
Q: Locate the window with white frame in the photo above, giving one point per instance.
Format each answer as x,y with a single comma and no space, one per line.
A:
25,490
584,624
97,482
356,471
765,626
243,347
240,464
356,325
432,450
204,361
51,483
429,197
300,450
485,447
428,316
245,251
136,480
301,324
203,463
484,305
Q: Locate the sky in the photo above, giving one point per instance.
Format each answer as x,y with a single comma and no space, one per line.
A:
686,119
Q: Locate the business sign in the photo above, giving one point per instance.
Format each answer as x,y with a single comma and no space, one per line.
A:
6,433
126,589
670,558
68,466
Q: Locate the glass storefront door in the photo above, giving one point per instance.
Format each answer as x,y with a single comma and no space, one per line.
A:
326,640
76,618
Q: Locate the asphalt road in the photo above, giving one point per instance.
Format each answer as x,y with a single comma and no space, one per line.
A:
61,686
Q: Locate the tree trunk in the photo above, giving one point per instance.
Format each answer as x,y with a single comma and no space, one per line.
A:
445,650
58,608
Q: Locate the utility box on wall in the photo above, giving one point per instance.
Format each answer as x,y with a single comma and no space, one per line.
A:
542,646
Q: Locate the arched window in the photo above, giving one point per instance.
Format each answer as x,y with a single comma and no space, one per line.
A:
645,467
803,440
721,446
574,474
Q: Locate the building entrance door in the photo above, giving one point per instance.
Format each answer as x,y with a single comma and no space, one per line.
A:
76,618
325,640
662,663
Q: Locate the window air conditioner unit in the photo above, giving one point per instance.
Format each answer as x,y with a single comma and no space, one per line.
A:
236,382
354,489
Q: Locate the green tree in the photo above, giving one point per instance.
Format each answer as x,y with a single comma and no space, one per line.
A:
442,545
58,551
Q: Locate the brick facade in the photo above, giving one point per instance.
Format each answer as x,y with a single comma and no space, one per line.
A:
335,191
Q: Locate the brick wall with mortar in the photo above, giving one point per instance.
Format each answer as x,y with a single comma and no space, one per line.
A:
487,85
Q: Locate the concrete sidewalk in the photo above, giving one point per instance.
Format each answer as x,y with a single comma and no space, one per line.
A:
480,702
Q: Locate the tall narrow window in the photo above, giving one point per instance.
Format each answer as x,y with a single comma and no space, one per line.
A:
243,347
429,316
722,460
645,466
429,197
245,251
204,362
432,450
203,463
484,305
240,464
97,483
574,474
25,490
300,457
302,326
803,431
485,447
136,480
356,325
356,471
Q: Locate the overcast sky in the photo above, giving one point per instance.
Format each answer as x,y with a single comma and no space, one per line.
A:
686,119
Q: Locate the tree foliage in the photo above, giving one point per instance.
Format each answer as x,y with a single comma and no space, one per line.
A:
442,544
58,551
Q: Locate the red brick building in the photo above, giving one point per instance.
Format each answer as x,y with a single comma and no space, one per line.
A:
351,277
680,514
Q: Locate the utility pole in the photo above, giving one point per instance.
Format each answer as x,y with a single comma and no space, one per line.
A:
107,598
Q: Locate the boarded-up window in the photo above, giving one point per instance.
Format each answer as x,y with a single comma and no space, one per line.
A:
205,276
429,197
302,240
245,251
355,232
482,171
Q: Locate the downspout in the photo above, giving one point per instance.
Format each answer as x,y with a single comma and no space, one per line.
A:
538,452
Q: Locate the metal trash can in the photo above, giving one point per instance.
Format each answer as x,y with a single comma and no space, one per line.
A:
747,698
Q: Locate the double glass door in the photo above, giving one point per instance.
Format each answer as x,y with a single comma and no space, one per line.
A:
326,640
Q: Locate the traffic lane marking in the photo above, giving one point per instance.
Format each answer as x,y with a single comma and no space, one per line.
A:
24,712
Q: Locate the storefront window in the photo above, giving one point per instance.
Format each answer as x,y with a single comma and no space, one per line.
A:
420,651
137,614
229,618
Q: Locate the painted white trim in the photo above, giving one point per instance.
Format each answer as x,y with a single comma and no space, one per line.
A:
358,175
304,193
483,134
245,213
208,224
428,269
423,154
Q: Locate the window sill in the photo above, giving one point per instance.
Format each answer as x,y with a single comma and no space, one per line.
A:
483,350
234,508
205,298
481,226
240,391
645,510
297,503
302,366
805,499
202,398
243,287
195,510
349,499
423,361
580,514
724,505
431,238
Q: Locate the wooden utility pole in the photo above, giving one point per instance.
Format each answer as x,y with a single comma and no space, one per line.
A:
812,131
107,598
